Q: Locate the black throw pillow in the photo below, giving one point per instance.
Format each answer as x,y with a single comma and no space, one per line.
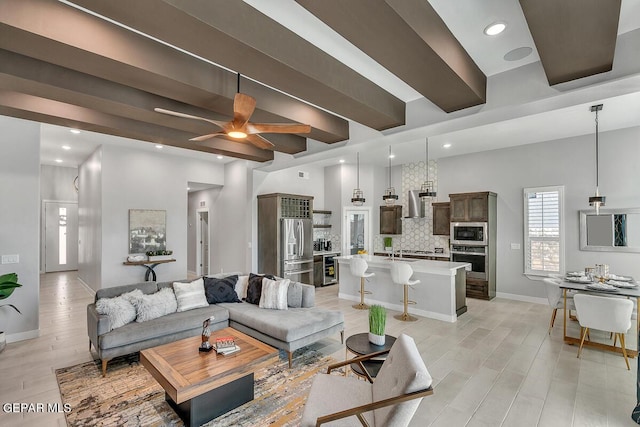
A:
221,290
254,288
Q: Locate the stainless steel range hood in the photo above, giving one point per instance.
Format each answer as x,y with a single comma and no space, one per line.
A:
416,206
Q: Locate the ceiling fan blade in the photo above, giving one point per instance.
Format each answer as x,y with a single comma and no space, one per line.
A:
259,142
243,106
278,128
208,136
189,116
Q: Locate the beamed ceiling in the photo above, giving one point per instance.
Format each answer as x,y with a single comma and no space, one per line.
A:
62,65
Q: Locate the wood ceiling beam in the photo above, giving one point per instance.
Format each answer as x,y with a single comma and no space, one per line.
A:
574,38
34,108
410,39
237,36
41,29
34,77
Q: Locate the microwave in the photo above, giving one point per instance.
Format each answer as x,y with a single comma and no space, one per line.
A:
469,233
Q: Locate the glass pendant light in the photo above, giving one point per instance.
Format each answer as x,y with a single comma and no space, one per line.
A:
358,195
426,190
390,195
597,200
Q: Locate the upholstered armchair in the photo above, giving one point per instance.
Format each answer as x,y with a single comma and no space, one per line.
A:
390,400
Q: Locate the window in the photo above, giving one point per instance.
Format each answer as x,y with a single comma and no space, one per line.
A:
543,230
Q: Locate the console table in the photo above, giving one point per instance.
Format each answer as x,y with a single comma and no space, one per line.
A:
149,265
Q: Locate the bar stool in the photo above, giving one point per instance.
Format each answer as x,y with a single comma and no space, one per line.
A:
401,273
358,268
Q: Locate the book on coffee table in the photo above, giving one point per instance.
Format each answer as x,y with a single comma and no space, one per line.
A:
228,350
225,342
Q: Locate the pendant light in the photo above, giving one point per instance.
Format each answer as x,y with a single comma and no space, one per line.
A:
390,195
426,191
597,200
358,195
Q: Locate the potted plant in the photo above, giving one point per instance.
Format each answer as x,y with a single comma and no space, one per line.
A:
161,255
388,244
377,321
8,283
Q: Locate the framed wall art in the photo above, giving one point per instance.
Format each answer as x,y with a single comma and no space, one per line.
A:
147,230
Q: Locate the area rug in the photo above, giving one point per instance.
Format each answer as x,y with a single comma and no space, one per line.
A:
129,396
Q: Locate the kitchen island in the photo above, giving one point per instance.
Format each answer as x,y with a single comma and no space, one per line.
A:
439,295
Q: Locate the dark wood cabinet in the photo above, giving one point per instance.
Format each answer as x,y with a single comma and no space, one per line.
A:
441,218
470,207
391,219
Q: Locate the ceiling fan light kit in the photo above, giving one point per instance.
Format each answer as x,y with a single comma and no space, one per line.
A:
597,201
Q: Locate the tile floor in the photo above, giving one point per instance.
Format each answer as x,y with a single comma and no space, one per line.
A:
495,367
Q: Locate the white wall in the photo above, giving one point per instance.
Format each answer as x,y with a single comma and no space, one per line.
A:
288,181
201,200
90,220
569,162
20,219
133,179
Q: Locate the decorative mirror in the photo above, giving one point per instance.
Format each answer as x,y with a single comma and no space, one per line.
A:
613,230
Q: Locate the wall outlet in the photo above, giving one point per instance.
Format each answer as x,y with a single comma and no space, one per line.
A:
515,246
11,259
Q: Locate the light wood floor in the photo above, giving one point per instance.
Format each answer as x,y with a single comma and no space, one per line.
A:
495,367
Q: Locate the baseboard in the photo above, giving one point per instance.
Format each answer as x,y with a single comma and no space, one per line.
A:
400,308
525,298
21,336
87,287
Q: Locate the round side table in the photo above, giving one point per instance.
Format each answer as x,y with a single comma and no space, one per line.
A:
359,345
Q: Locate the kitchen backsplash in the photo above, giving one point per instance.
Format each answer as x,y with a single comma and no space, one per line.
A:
416,232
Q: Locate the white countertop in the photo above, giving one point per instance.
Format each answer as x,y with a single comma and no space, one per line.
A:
318,253
418,265
430,254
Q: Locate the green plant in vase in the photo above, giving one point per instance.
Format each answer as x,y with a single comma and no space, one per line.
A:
8,283
377,323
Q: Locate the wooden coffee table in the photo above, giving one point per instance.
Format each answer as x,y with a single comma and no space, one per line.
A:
201,386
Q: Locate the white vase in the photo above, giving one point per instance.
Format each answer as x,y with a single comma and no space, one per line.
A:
3,341
376,339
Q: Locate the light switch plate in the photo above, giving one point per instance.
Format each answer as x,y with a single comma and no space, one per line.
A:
515,246
10,259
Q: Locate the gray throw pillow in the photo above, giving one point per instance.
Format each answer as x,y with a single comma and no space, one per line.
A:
152,306
119,310
294,295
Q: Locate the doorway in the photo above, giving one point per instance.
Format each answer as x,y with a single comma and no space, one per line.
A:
202,242
356,230
61,236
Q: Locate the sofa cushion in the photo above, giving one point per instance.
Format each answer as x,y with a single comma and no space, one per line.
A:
254,289
166,325
294,295
274,294
149,307
287,326
190,295
120,310
221,290
145,287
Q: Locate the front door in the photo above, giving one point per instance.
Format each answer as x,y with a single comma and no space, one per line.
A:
357,232
61,236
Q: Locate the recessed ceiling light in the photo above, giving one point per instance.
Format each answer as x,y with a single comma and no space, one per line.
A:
188,188
391,156
66,147
74,131
58,160
220,157
159,146
341,160
495,28
447,145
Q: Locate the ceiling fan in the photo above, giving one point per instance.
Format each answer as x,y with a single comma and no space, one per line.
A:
240,128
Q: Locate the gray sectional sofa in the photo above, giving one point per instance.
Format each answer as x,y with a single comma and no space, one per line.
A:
288,329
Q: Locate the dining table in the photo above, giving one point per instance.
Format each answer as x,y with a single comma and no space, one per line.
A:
631,290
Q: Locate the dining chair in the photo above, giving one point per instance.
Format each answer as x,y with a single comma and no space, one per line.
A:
391,399
605,314
554,296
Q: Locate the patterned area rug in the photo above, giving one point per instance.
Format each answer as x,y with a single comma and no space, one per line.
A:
129,396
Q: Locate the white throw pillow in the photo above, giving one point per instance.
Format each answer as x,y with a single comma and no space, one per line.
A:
241,287
152,306
274,294
119,310
190,295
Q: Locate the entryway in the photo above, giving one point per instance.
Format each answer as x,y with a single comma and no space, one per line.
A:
60,236
356,234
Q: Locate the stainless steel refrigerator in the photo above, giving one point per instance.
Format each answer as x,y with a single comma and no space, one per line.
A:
296,249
